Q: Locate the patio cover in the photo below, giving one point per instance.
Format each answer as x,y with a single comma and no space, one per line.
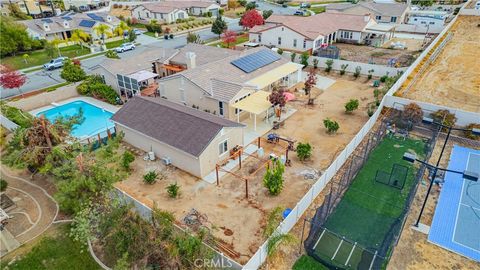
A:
274,75
256,103
380,29
142,75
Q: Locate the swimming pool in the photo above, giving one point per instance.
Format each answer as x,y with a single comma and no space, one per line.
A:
96,119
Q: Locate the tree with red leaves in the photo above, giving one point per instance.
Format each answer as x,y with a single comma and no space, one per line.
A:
277,99
228,37
309,83
10,79
252,18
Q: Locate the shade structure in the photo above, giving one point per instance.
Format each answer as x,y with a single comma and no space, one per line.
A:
256,103
274,75
142,75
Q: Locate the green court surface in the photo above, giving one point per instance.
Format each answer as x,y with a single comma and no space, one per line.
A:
368,209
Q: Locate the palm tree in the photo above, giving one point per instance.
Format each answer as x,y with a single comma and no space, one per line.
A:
79,36
276,240
121,28
102,30
55,42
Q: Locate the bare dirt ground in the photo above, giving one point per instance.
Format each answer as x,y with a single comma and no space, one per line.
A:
225,206
413,251
124,11
379,56
453,79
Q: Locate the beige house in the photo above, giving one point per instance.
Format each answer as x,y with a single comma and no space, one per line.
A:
30,7
158,11
382,12
189,139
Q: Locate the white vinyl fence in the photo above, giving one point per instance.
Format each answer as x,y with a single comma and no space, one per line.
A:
287,224
378,70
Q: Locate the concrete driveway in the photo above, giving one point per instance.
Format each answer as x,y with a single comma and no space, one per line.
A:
277,9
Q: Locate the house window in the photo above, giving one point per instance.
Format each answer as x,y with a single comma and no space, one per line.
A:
415,19
393,19
431,23
279,41
182,95
148,14
423,22
223,147
294,43
259,37
220,108
304,44
378,17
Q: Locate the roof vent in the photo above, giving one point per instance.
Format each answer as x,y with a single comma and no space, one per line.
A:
191,60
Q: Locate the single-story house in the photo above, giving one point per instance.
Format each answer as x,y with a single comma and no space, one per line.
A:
298,33
196,7
217,86
158,11
429,18
84,5
189,139
382,12
61,27
122,74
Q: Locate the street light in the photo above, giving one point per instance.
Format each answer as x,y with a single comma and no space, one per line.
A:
412,158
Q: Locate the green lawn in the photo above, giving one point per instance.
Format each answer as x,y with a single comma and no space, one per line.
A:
114,44
55,252
152,34
308,263
368,209
317,10
40,57
240,40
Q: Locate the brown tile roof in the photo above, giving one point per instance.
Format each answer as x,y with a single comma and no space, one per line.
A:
320,24
169,6
386,9
159,7
205,54
182,127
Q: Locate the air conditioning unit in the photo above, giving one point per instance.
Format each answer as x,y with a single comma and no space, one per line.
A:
166,160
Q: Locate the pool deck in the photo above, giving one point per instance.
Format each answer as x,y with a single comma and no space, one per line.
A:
95,102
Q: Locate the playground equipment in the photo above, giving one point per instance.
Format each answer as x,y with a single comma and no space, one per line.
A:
275,138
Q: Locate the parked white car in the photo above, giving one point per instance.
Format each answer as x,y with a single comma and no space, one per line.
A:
55,63
125,47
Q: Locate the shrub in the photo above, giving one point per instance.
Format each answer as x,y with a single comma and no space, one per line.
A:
150,177
171,36
304,59
357,72
315,63
173,190
343,68
155,28
293,56
304,151
384,77
351,105
93,86
72,72
412,112
469,134
19,117
330,125
280,51
273,178
112,54
127,158
445,117
370,72
329,64
3,185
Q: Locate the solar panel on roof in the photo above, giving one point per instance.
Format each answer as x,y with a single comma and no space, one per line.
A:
67,18
95,17
86,23
47,20
256,60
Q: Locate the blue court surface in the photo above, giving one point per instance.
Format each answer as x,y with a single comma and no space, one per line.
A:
456,222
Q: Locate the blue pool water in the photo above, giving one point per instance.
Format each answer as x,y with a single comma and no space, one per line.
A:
96,120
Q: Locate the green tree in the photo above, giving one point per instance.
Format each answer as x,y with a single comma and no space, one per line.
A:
351,105
14,38
56,43
250,6
329,64
121,28
3,185
273,178
72,72
304,151
127,159
242,3
423,3
50,50
102,30
304,59
331,125
150,177
192,37
79,36
173,190
132,36
219,26
293,56
267,13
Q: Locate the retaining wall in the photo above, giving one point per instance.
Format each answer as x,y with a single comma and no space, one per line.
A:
45,98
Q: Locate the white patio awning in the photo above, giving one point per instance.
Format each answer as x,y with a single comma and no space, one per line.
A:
142,75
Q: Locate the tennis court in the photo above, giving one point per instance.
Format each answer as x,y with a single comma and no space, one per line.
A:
456,222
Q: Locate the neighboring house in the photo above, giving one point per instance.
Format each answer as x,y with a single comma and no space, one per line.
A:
382,12
429,18
217,86
297,33
191,140
30,7
85,5
122,74
158,11
61,27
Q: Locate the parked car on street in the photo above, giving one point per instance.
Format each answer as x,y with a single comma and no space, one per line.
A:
55,63
304,5
299,13
125,47
138,32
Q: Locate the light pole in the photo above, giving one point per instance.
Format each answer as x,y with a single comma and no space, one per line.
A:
412,158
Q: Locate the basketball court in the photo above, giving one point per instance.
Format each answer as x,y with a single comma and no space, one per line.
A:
456,222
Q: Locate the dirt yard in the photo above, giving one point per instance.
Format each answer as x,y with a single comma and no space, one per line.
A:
413,251
379,56
453,79
239,222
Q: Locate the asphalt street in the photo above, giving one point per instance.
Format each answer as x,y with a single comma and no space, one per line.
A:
43,79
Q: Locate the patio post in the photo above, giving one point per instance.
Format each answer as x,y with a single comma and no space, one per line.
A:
238,116
216,172
255,122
